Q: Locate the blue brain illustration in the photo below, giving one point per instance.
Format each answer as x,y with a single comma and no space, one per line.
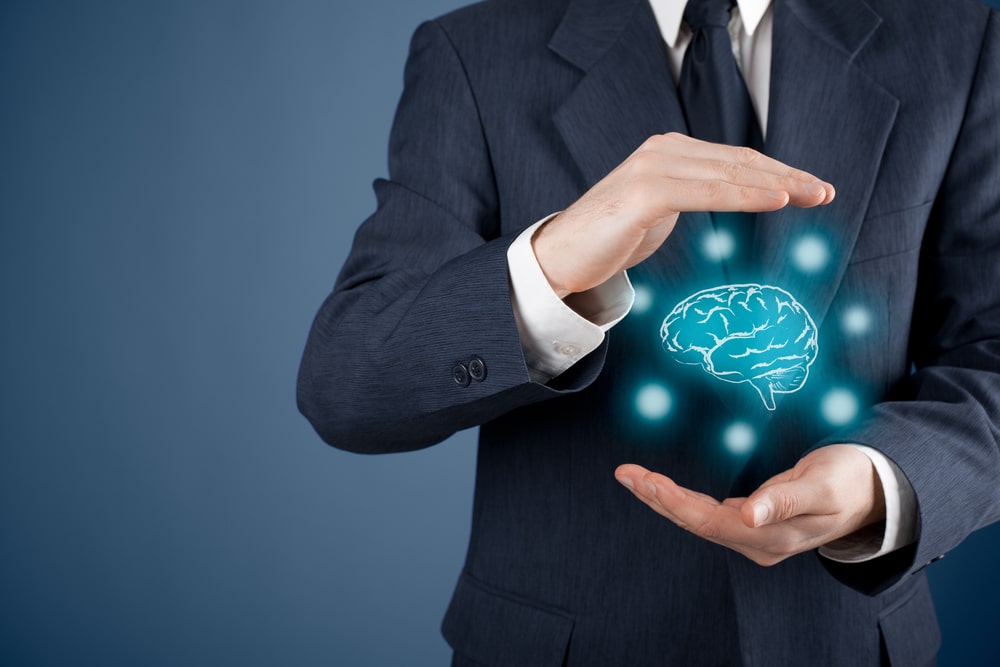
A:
757,334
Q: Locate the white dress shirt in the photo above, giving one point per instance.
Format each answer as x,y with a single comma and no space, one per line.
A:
554,335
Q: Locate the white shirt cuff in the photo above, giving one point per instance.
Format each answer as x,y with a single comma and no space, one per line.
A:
900,517
555,336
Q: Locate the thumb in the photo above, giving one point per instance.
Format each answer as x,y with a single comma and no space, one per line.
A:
780,502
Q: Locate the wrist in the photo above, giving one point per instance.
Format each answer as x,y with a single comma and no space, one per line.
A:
547,257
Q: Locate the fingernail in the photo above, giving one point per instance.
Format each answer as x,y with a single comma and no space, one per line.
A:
651,488
760,512
626,482
831,193
776,194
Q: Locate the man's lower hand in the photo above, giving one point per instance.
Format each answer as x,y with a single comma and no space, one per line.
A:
830,493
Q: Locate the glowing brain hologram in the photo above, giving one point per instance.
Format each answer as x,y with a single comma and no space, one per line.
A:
758,334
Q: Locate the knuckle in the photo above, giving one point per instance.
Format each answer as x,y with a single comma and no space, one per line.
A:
642,162
747,196
732,171
663,143
711,189
672,138
793,174
746,155
707,531
653,143
703,527
785,505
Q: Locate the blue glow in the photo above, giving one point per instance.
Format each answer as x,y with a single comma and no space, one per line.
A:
653,402
839,407
757,334
643,299
739,438
811,254
718,245
856,320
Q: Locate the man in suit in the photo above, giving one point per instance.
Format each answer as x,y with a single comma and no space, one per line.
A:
465,302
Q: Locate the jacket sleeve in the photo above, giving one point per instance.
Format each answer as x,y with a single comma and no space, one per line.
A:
945,432
425,288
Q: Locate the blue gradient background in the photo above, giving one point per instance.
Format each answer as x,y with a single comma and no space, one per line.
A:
179,184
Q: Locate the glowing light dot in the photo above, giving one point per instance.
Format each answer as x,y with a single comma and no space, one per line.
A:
653,402
810,254
839,407
856,320
719,245
643,299
739,438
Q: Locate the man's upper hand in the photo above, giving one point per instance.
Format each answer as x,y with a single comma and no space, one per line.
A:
830,493
628,214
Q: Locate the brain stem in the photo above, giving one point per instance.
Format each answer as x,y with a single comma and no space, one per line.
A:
766,391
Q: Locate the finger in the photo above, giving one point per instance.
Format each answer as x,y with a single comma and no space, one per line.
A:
785,500
748,157
735,503
702,515
635,477
712,195
676,145
735,163
804,189
656,490
629,473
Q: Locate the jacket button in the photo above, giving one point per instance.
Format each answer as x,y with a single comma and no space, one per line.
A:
477,369
460,374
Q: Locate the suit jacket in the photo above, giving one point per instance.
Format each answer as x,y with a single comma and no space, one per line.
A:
511,110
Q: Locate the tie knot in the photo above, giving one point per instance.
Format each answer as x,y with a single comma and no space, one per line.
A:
701,13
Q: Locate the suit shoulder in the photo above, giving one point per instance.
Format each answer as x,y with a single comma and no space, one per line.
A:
954,18
932,38
494,10
486,20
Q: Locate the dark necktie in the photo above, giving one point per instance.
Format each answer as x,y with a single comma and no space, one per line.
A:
717,108
713,94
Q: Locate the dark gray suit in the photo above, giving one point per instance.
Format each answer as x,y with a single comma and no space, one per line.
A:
511,111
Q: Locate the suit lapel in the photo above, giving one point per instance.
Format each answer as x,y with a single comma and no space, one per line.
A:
829,118
626,95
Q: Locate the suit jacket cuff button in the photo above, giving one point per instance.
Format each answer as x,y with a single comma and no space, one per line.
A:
460,374
477,369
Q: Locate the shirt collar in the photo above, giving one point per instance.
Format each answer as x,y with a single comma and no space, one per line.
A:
669,14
